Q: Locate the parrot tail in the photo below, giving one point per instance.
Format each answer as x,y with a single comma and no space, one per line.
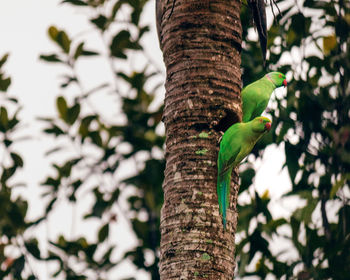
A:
223,190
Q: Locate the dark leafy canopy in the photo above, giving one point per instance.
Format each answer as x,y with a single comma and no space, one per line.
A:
312,124
315,113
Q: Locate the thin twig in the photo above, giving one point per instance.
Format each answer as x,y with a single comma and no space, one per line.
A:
273,3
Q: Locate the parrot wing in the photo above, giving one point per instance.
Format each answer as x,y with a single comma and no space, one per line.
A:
259,109
250,97
255,98
229,164
227,156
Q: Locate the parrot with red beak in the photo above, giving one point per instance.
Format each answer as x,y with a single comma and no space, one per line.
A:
236,144
256,96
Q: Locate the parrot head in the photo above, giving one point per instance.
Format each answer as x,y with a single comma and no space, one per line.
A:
277,78
261,124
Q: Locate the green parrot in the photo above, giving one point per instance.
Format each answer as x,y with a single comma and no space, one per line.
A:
256,96
235,145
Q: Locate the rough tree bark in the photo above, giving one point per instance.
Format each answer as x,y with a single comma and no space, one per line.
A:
201,43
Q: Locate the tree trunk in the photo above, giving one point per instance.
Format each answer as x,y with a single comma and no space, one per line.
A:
201,43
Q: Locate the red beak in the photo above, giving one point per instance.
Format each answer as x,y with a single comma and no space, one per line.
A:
268,126
285,83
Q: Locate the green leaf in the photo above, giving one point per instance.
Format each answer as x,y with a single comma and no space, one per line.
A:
62,107
32,247
60,37
51,182
271,226
105,260
56,130
4,83
244,261
79,50
53,32
137,9
96,138
246,212
63,40
3,59
75,2
73,113
18,267
51,58
90,251
14,121
4,119
84,125
99,207
285,127
103,233
89,53
17,159
261,205
258,243
76,184
120,42
304,214
141,228
66,169
12,99
246,179
329,43
291,160
7,173
68,81
100,21
339,184
8,142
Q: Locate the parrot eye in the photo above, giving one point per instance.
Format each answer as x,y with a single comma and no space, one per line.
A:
280,75
261,121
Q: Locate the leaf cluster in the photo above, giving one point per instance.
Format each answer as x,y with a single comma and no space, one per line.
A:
104,146
14,247
311,123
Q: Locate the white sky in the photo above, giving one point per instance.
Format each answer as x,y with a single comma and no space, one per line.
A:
23,30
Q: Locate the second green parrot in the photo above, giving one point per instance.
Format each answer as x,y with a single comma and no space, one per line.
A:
235,145
256,96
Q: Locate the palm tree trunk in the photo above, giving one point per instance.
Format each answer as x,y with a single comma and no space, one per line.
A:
201,42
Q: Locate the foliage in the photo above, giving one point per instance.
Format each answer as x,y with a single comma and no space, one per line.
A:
312,125
92,147
14,247
98,139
